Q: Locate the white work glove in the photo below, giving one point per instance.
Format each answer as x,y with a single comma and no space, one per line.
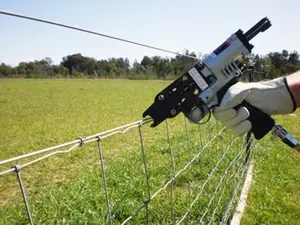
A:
272,97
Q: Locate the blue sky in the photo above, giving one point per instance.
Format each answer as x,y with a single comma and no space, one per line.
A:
196,25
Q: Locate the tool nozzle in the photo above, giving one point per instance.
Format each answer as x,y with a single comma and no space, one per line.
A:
285,137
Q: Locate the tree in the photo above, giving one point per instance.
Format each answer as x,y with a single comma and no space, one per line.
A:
146,62
60,70
267,66
138,68
21,68
5,70
73,62
294,58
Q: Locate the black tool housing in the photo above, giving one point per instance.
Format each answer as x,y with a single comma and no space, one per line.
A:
180,96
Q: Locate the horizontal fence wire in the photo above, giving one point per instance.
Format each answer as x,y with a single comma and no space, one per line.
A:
209,199
74,144
205,183
6,13
173,178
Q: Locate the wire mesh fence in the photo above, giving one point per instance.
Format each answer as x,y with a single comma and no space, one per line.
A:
192,176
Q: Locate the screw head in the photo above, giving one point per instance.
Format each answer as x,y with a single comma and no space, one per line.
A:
161,97
173,112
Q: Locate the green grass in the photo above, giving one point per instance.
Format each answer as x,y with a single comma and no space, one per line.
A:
68,189
40,113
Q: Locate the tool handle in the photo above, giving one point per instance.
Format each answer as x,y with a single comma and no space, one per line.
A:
261,122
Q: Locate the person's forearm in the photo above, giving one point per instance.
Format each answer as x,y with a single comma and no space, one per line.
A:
293,81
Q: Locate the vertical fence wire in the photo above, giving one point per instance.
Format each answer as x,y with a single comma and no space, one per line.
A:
200,137
209,177
27,207
168,183
228,179
104,180
234,193
249,134
146,173
209,130
188,142
248,146
233,176
244,166
172,172
232,165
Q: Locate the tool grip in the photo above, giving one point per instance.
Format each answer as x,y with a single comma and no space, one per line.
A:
261,122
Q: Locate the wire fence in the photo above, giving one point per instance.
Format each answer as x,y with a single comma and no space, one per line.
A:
188,177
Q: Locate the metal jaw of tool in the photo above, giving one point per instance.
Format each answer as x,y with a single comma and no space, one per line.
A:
279,131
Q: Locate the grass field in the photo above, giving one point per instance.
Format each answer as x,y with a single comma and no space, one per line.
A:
40,113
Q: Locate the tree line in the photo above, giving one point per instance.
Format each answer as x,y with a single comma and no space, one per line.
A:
267,66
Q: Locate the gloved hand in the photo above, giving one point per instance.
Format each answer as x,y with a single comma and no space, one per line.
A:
272,97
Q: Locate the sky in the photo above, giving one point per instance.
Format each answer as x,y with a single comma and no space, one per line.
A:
196,25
